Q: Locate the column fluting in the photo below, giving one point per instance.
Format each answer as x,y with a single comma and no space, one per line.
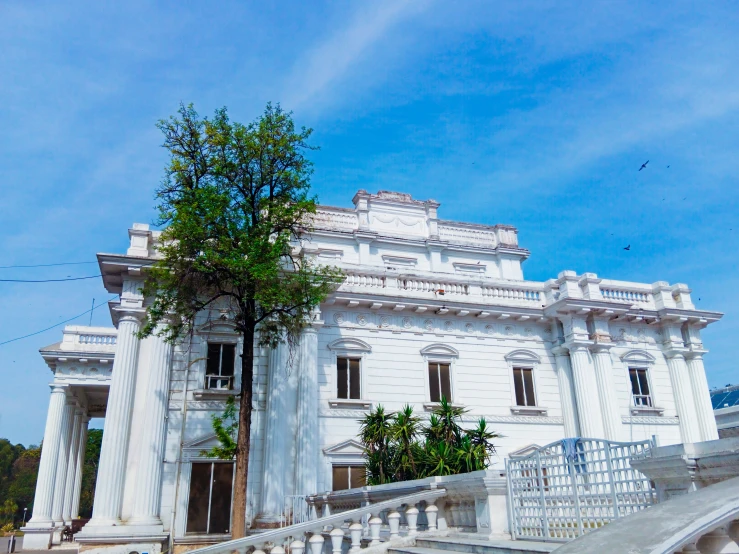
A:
606,393
44,495
149,475
114,450
702,398
684,404
586,393
306,461
74,447
60,481
566,393
81,451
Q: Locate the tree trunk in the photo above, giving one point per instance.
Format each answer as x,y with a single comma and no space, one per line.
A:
238,513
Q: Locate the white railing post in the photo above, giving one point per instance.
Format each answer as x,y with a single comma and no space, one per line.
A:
374,524
297,547
355,532
393,521
315,542
431,512
337,537
277,549
411,515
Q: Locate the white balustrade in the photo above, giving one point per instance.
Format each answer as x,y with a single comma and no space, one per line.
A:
453,233
364,280
335,220
417,284
98,339
291,536
624,295
509,293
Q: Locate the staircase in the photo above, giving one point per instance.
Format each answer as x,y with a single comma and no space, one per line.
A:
469,543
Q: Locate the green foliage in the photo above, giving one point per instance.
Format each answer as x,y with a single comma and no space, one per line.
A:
400,448
90,471
8,510
226,427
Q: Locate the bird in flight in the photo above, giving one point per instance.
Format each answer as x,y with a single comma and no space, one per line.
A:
644,165
628,247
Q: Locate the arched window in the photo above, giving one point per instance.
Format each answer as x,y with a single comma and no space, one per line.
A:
439,360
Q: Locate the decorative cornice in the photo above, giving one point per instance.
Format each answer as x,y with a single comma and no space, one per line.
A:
650,420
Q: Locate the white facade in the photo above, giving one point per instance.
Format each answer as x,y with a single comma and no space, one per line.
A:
423,298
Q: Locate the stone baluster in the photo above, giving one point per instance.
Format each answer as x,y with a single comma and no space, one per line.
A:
277,549
588,410
337,537
114,449
60,483
315,542
74,450
44,496
683,397
81,451
702,398
149,476
375,523
355,532
393,521
411,516
307,437
717,541
431,516
566,394
258,551
606,393
297,547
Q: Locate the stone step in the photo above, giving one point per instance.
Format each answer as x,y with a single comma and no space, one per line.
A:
468,545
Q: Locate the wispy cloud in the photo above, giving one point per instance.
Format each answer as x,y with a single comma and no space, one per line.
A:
321,69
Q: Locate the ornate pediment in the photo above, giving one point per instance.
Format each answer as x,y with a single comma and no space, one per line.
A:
348,450
350,344
440,351
219,327
522,356
638,357
193,450
524,451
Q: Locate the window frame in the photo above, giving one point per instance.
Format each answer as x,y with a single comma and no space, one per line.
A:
212,464
641,359
349,358
440,354
208,376
351,348
522,368
525,359
350,466
632,395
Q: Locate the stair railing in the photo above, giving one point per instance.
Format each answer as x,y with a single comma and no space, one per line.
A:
275,540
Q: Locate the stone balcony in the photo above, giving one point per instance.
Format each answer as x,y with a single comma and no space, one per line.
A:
82,344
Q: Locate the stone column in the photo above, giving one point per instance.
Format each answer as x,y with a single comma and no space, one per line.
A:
81,451
566,394
607,393
149,475
586,393
306,461
702,398
276,445
114,450
62,461
684,403
44,496
74,449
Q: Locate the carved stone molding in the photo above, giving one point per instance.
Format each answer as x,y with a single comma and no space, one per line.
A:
650,420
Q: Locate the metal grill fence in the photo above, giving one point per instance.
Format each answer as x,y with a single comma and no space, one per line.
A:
564,490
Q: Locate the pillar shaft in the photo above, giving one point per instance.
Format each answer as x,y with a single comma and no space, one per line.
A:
566,393
586,393
114,450
276,446
702,399
306,462
74,448
81,451
149,475
606,394
60,481
684,403
44,496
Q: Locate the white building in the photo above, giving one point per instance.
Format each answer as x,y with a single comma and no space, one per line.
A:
429,307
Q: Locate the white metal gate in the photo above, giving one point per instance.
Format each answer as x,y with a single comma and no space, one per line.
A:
570,487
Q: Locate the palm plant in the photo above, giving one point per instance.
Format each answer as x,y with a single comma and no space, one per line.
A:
448,415
404,431
481,441
376,437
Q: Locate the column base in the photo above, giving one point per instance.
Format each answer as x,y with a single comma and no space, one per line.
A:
37,538
267,521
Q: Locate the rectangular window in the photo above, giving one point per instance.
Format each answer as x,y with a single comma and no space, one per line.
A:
640,387
523,382
440,381
348,477
209,504
219,369
348,378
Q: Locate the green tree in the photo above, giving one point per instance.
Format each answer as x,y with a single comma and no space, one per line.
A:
404,432
8,510
226,428
235,204
375,433
22,488
90,471
9,453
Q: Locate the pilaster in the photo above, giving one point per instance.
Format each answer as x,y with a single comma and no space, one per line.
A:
606,392
566,392
586,392
307,437
149,475
701,397
113,453
684,402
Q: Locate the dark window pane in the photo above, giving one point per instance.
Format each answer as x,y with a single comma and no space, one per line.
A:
634,382
446,381
354,379
214,357
197,505
340,478
357,477
518,386
434,382
220,503
341,376
643,383
227,362
528,384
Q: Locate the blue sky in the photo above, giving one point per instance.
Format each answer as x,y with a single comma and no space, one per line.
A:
536,114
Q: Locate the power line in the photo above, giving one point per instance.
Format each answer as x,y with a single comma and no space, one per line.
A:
45,265
48,280
60,323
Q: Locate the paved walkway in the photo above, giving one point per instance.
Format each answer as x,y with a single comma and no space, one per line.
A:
65,549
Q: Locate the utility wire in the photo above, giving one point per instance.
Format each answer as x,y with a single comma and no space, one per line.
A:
45,265
60,323
48,280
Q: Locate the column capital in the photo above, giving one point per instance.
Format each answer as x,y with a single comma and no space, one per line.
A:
694,354
601,347
578,346
672,354
130,314
560,350
58,387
